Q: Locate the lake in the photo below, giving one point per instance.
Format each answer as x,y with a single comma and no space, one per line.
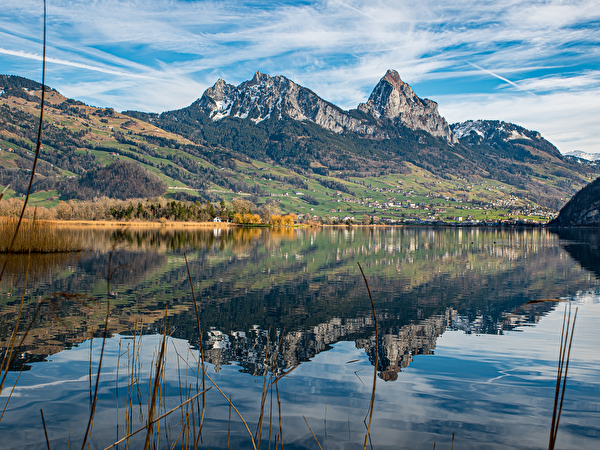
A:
457,351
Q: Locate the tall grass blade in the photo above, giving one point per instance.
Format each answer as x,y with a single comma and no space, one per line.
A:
37,148
229,424
235,409
564,355
197,439
156,387
45,430
4,191
95,398
372,403
145,427
11,353
313,434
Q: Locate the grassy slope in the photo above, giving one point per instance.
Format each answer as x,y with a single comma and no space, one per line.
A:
419,187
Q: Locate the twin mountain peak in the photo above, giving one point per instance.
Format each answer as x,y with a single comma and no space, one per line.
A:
263,97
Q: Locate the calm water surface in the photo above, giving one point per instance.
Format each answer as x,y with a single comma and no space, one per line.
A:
453,358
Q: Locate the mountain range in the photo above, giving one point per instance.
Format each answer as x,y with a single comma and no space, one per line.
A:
268,136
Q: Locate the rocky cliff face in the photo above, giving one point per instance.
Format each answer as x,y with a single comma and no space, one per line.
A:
583,210
264,97
395,100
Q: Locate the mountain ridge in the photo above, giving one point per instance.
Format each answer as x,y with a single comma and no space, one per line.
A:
222,144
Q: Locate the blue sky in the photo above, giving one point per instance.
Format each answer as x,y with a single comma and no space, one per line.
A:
534,63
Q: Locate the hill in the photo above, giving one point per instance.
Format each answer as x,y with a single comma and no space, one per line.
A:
582,210
271,140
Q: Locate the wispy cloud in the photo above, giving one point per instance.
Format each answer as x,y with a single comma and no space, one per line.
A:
25,55
338,48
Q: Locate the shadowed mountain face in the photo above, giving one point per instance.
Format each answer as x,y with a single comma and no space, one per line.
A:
583,210
302,287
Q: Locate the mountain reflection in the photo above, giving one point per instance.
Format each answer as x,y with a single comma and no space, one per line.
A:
583,245
257,288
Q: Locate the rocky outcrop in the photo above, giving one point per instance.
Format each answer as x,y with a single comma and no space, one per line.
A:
486,130
266,97
583,210
395,100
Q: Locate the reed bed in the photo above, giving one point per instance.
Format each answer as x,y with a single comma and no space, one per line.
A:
38,237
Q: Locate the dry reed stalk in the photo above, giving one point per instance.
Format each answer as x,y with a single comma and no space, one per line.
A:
270,416
154,392
41,238
95,398
313,434
274,371
279,416
11,391
229,424
201,361
117,385
259,425
45,430
532,302
37,149
235,409
564,354
129,411
4,191
145,427
12,352
161,386
372,403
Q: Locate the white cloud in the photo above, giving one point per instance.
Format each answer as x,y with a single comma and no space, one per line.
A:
338,48
63,62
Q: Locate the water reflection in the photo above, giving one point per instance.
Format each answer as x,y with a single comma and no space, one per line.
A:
449,293
583,245
258,286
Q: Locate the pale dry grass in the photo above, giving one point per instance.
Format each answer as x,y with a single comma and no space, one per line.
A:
41,237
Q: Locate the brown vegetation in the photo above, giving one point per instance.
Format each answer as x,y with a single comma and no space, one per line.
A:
38,237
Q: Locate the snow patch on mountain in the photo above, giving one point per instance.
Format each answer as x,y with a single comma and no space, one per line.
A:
583,155
487,129
514,134
463,129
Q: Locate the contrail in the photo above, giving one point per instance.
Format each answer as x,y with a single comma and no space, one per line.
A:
506,80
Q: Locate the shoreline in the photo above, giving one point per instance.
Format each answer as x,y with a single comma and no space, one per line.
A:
224,225
141,224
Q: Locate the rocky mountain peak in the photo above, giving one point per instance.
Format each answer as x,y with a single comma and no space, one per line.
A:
395,100
393,79
264,97
260,77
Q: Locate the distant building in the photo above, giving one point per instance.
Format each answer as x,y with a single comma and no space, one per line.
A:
217,220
